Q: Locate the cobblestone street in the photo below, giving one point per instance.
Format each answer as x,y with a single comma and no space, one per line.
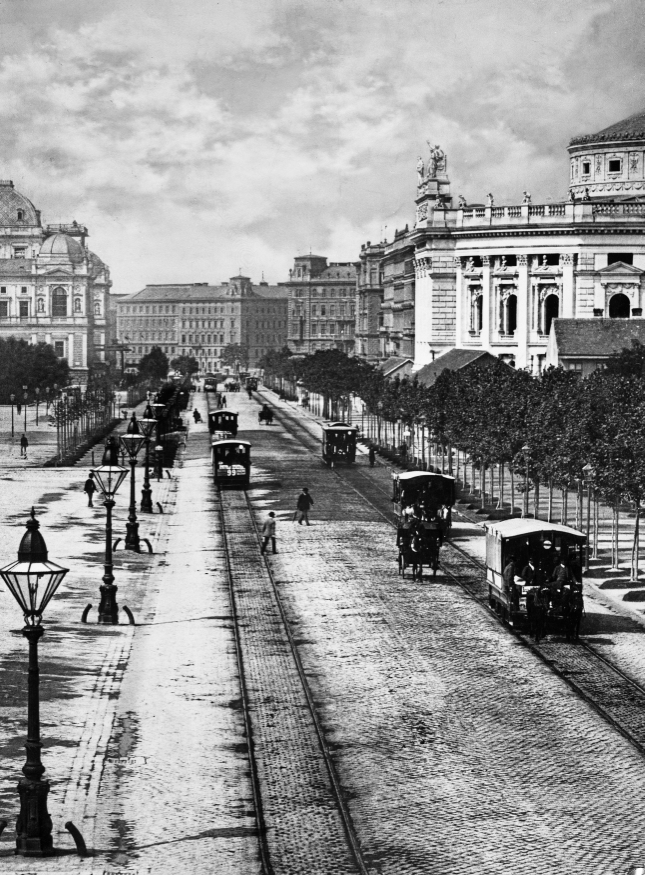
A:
455,747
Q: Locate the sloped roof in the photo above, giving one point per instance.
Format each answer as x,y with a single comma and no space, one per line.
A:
630,128
621,267
454,360
596,338
12,266
394,364
200,292
63,246
272,291
11,201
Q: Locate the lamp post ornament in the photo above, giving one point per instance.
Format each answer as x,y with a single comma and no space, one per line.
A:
147,425
132,441
108,478
32,581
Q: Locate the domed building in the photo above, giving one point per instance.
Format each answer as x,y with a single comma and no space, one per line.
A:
53,289
524,281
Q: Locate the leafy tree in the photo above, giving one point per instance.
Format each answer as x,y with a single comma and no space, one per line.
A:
154,365
236,354
32,365
630,362
186,365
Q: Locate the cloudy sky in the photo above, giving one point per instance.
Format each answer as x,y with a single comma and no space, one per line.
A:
198,137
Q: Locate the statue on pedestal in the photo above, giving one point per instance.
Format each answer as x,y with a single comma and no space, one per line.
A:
490,200
437,161
420,171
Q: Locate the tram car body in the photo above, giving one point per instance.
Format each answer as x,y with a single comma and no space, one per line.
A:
523,539
231,461
339,443
431,496
222,422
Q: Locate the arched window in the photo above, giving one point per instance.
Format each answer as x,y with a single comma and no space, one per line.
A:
21,216
551,311
59,302
508,315
476,313
619,307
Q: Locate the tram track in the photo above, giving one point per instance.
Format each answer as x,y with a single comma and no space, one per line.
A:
614,695
291,767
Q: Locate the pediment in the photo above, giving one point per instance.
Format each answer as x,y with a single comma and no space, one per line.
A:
619,267
56,271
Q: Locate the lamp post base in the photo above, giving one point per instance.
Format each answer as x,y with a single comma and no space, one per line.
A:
132,541
108,608
146,500
34,825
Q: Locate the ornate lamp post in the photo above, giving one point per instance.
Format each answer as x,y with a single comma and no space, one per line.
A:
147,426
158,408
12,398
46,400
32,581
132,440
588,474
525,453
25,400
108,478
37,391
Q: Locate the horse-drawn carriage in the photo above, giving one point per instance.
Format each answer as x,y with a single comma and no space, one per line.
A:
545,593
222,423
265,415
339,443
423,506
231,461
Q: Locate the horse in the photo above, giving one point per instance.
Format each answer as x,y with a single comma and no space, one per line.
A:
572,611
537,610
265,415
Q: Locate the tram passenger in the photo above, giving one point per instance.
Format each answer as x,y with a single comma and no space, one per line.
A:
560,578
508,576
529,572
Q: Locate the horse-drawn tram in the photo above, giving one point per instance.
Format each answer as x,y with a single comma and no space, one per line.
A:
423,504
231,460
534,574
339,443
222,423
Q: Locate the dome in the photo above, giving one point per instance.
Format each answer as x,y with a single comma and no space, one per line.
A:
63,246
97,265
15,208
631,128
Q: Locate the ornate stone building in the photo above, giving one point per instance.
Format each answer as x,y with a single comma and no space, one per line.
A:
496,277
322,304
53,289
369,299
201,320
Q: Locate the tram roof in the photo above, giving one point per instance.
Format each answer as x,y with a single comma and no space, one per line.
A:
413,475
218,442
223,410
516,527
336,426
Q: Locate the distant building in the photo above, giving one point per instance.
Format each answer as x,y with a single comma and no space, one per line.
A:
322,305
200,320
455,360
53,289
369,301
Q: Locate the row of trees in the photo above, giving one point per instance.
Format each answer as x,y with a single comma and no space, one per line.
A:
551,430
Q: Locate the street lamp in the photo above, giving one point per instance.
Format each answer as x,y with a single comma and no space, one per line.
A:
25,400
108,478
32,581
159,461
158,408
37,391
13,398
588,474
525,451
147,426
132,440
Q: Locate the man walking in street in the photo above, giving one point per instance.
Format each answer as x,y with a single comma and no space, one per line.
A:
24,443
305,501
371,455
268,532
90,489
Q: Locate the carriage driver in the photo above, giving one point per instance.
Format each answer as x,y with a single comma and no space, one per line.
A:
508,579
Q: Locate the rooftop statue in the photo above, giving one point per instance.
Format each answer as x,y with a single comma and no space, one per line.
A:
437,161
420,171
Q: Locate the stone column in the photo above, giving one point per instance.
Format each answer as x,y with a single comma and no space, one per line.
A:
523,313
71,352
460,309
487,304
84,350
568,289
422,310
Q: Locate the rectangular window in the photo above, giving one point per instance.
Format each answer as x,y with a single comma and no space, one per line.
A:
23,290
3,290
586,168
323,310
24,309
615,165
314,328
20,252
4,309
59,348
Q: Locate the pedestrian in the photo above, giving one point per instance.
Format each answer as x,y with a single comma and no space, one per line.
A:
305,501
371,455
268,533
24,443
90,489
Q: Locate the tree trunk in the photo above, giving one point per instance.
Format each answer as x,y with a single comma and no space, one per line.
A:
565,497
500,503
536,498
512,492
635,545
550,505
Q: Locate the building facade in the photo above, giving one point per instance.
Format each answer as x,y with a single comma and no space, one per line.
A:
53,288
369,300
322,305
201,320
397,328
